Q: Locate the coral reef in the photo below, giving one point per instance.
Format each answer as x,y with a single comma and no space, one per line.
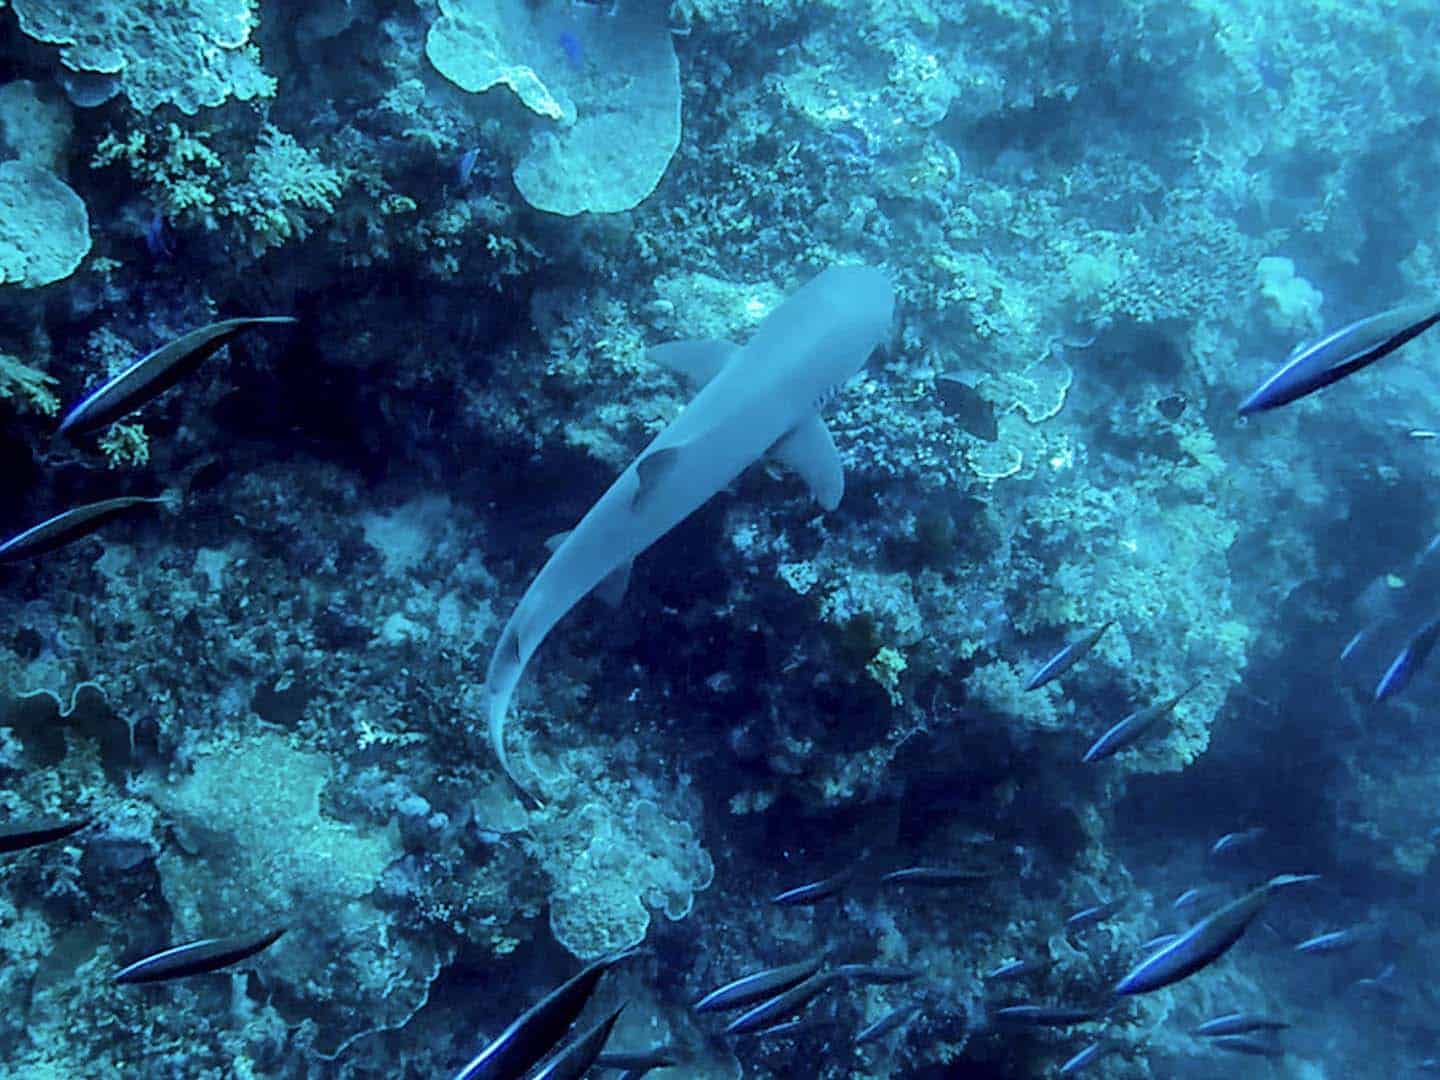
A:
1103,224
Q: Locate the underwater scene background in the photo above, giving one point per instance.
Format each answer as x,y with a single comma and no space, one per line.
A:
1104,223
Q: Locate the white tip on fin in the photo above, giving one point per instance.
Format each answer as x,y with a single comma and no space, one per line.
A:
697,362
810,451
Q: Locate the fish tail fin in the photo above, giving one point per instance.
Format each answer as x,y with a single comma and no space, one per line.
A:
500,682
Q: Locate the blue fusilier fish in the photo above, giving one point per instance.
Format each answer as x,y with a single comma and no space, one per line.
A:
574,1060
196,958
893,1020
1346,351
796,1025
69,526
937,877
1016,969
758,986
1130,729
1249,1044
18,836
1234,841
1408,661
762,398
878,974
1068,657
1200,894
1087,1057
1384,984
539,1029
1205,942
1238,1023
1045,1015
1332,942
782,1006
156,372
816,891
465,169
1093,915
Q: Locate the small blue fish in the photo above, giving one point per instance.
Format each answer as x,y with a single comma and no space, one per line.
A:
1238,1023
196,958
574,1061
758,986
466,168
157,237
1205,942
1408,663
1086,1057
1234,841
1093,915
69,526
1334,941
1342,353
1068,657
894,1020
156,372
816,891
782,1006
573,50
1045,1015
536,1031
1016,969
28,834
1124,732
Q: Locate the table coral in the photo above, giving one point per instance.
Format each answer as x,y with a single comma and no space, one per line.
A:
190,54
44,228
607,81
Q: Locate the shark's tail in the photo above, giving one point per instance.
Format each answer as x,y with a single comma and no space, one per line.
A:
506,667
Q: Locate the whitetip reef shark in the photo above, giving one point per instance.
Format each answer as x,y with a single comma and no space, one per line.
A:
763,397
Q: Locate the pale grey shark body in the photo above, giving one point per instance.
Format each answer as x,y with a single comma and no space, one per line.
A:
761,397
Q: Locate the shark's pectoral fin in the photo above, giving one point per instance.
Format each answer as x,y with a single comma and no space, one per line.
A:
613,585
554,542
810,451
651,471
697,362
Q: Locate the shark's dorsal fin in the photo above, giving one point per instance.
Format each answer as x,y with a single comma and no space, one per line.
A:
613,585
651,470
810,451
697,362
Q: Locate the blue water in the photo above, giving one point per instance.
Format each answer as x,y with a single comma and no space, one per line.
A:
265,703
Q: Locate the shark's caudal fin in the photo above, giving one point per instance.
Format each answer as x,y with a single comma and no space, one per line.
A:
506,667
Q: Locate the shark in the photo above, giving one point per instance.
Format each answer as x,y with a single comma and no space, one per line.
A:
761,399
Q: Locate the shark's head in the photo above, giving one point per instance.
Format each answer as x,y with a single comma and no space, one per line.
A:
842,314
